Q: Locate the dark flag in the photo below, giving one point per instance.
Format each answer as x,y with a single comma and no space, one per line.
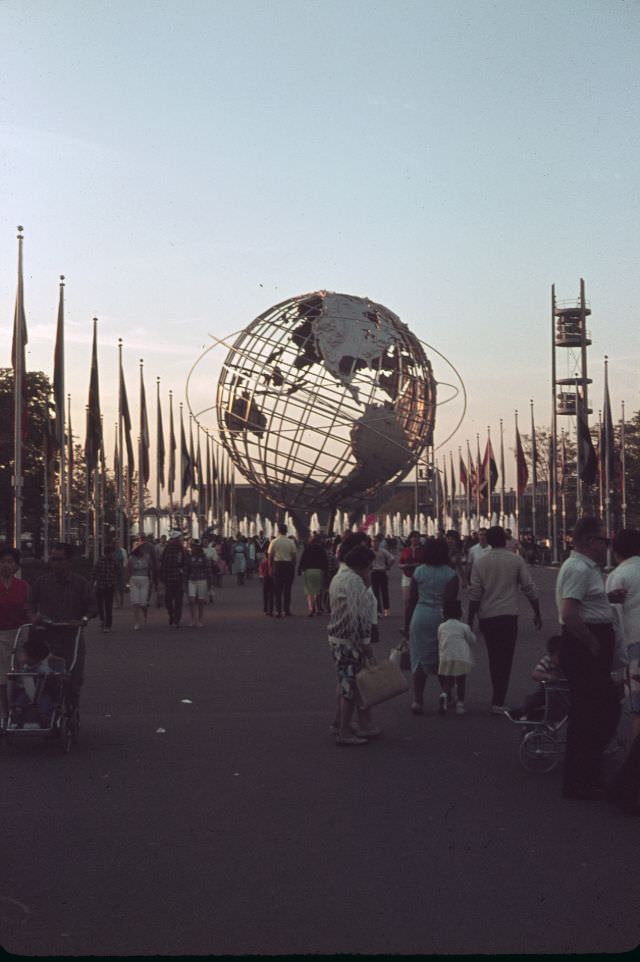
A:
608,457
464,477
588,460
18,359
160,443
209,476
116,457
186,462
144,433
69,447
453,481
58,372
126,417
171,475
93,440
489,466
202,503
192,455
522,471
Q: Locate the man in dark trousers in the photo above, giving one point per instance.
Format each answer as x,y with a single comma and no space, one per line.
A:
172,569
282,557
496,579
586,657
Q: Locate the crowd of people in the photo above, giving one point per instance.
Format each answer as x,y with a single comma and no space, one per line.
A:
346,579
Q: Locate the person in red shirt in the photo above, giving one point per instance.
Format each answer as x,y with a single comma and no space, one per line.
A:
14,598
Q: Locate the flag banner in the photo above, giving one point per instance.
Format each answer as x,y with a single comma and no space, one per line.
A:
50,443
489,466
93,439
453,479
563,463
209,499
171,475
478,480
18,351
192,455
522,471
464,477
144,433
160,452
126,418
588,460
186,462
69,448
607,449
116,457
202,506
58,374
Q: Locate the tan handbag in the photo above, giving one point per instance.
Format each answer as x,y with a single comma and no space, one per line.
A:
379,681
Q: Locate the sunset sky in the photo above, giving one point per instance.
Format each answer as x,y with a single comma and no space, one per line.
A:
188,165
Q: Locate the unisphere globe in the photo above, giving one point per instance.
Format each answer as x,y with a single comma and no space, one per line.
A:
323,399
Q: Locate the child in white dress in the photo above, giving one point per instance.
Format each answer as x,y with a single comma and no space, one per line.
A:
455,639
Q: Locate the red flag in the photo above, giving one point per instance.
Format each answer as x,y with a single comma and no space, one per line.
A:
464,477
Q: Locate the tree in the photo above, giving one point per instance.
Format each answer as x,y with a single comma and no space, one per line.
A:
39,401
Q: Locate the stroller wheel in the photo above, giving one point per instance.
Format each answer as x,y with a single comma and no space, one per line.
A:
539,752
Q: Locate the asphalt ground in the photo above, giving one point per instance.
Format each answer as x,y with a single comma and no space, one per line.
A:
207,810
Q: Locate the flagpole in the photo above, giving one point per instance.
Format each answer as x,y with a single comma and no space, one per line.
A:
171,476
501,472
158,429
69,466
58,380
564,489
534,477
517,511
120,479
623,465
469,476
141,442
478,476
181,467
18,361
488,473
553,468
87,513
601,470
608,444
45,495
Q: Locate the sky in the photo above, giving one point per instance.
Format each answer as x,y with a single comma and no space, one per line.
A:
186,166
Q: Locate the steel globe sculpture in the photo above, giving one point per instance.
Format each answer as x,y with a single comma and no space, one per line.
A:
323,399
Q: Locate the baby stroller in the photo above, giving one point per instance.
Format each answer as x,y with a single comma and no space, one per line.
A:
39,696
543,732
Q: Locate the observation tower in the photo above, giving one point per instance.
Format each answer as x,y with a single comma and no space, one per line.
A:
570,392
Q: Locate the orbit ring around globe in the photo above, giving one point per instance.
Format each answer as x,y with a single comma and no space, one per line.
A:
324,398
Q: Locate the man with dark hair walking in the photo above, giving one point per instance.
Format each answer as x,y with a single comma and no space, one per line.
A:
496,578
586,656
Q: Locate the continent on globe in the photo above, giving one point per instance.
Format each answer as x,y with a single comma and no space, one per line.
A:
245,415
349,336
380,448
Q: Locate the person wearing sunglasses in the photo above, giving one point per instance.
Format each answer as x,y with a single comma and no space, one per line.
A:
586,657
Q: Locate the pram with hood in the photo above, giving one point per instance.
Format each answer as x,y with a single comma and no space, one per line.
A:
40,692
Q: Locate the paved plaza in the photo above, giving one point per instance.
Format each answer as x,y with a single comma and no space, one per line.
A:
207,810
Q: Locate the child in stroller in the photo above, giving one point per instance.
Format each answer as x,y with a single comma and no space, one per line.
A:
35,685
547,672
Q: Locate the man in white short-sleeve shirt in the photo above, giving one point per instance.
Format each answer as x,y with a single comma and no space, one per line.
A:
586,656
